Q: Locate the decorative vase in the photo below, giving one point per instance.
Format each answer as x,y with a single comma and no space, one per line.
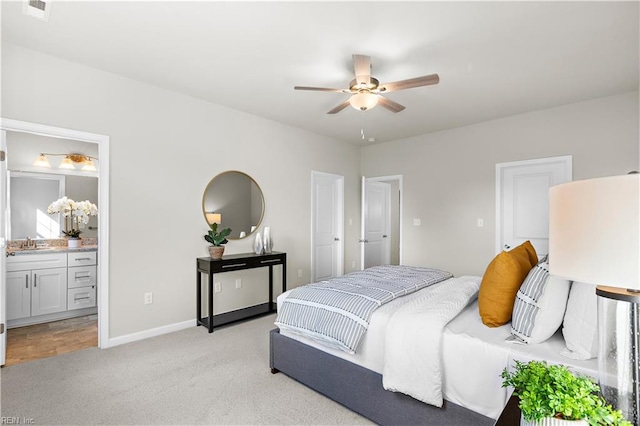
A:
268,243
552,421
74,242
257,247
216,252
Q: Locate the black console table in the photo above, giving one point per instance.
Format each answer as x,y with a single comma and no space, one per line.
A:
236,262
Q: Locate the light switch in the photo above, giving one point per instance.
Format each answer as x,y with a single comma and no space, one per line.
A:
416,222
480,223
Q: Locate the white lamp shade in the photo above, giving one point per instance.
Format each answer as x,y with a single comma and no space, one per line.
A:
214,218
42,161
89,166
66,164
594,231
363,101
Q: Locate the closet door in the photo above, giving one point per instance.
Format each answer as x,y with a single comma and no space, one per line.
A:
522,200
327,222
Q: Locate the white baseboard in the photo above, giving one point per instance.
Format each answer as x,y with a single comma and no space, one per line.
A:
141,335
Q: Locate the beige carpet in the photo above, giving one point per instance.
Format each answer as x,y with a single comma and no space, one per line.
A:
187,377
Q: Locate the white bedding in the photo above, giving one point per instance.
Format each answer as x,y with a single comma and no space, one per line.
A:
473,355
412,349
369,354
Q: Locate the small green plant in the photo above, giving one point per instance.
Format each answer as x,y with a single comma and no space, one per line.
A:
74,233
554,391
216,238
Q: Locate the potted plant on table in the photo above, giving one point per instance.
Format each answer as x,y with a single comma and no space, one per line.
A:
217,241
553,395
76,216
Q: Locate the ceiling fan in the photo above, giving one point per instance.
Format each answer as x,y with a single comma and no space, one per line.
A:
367,91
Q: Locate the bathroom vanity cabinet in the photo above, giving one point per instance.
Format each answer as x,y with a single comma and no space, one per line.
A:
45,287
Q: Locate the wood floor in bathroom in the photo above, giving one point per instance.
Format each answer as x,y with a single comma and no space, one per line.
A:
50,339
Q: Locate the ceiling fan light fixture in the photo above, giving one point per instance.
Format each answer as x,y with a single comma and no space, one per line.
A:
363,101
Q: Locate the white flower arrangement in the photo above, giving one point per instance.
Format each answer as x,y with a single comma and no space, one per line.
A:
76,214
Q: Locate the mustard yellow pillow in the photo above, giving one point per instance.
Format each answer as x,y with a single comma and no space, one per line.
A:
501,282
528,248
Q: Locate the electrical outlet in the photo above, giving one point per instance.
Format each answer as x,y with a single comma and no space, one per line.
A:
148,298
238,282
217,288
299,273
416,222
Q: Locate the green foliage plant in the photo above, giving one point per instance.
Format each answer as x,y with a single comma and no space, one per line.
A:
216,238
554,391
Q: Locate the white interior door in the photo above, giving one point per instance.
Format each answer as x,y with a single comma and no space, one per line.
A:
522,200
327,226
3,259
377,212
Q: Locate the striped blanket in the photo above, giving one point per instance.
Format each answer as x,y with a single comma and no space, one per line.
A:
337,312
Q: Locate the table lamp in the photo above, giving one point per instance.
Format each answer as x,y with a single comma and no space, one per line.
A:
213,218
594,238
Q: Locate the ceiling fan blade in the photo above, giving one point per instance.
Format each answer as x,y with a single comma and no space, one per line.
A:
408,84
339,107
321,89
362,67
390,105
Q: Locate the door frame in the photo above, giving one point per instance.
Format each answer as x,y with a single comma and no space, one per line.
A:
340,249
501,167
12,125
3,244
365,179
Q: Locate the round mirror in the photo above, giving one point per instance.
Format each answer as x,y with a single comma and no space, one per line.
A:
233,200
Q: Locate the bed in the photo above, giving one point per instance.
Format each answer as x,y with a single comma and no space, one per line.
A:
471,355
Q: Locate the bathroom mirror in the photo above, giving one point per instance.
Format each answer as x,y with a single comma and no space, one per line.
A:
234,200
29,195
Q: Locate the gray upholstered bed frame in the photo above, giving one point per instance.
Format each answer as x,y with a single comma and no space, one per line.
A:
360,389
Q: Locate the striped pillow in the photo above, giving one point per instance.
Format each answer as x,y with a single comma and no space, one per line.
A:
539,307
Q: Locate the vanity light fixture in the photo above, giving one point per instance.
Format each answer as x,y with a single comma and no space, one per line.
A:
89,166
66,164
69,162
42,161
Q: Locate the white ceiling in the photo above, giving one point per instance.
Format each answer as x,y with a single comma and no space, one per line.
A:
494,59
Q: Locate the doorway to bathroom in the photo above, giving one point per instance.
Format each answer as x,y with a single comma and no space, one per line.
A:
53,295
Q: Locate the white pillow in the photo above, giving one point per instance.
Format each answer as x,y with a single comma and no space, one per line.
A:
539,307
580,327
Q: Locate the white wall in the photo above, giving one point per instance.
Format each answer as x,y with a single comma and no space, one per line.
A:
449,176
164,149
